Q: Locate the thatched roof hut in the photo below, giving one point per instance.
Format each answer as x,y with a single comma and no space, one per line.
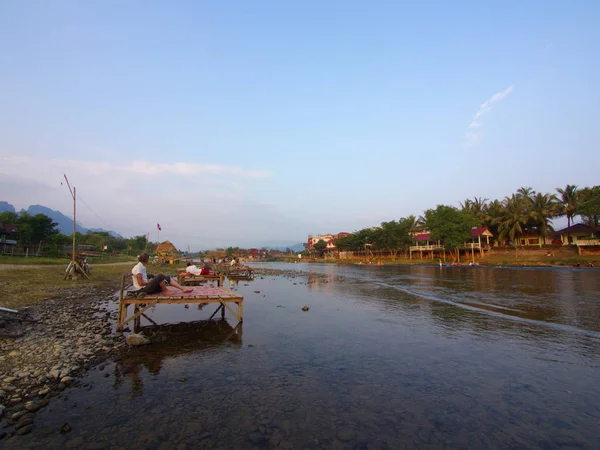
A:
166,248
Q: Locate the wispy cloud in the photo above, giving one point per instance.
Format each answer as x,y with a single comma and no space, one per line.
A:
474,134
140,167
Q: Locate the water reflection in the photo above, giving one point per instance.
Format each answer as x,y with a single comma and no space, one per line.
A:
172,341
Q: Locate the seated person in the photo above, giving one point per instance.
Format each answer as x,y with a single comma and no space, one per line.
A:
155,285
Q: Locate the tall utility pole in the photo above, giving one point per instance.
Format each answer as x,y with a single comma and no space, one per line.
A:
73,193
74,267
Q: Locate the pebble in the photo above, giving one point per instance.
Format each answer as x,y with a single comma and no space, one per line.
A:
32,407
305,308
74,443
25,430
66,380
23,423
345,434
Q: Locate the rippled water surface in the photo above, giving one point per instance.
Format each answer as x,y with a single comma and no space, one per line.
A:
387,357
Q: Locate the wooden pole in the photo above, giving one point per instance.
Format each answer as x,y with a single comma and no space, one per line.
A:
74,222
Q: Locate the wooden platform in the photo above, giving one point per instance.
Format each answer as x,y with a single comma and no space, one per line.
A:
186,279
200,294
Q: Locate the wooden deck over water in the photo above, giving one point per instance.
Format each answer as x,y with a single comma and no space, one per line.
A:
199,295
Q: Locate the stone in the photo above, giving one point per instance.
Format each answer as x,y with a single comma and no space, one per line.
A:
32,407
44,391
24,422
345,434
65,428
66,380
137,339
25,430
75,442
14,353
305,308
54,373
16,416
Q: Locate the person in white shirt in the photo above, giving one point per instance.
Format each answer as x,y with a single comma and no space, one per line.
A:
193,269
153,285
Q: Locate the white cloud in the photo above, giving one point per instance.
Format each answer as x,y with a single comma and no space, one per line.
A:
475,137
199,204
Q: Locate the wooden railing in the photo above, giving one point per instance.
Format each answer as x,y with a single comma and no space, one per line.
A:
471,245
425,247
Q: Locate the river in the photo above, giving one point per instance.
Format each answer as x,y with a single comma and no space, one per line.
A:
387,357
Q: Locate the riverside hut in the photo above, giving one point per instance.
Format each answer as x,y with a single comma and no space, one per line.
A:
166,251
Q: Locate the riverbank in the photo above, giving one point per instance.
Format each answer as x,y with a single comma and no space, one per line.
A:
506,257
71,334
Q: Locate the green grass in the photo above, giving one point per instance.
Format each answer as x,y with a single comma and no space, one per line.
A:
26,285
21,260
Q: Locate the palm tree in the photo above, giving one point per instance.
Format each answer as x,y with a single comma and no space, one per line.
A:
568,198
526,192
514,220
492,216
543,208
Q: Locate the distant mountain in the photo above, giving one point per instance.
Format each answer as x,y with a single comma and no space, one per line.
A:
7,207
65,224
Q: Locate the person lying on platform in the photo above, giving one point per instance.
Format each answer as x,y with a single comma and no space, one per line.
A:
195,270
153,285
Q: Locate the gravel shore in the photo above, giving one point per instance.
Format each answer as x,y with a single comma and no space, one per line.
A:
73,332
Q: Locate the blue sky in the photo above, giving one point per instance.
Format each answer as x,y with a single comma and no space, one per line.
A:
243,123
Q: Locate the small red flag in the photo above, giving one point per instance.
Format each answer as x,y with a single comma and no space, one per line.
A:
158,226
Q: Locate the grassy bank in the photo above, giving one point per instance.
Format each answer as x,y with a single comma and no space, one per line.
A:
25,285
34,260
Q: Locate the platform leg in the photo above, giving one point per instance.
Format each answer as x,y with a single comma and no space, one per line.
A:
222,313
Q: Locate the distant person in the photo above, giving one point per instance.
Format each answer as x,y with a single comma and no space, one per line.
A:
206,270
154,285
193,269
233,262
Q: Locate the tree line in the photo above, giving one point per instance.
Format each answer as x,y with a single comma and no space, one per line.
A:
508,219
39,229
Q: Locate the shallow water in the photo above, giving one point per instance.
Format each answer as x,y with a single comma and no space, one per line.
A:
386,357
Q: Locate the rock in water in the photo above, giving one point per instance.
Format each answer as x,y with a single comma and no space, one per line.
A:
305,308
136,339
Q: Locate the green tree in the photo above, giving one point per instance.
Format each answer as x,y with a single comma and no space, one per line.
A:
568,199
320,247
8,218
588,205
543,208
513,222
450,225
229,252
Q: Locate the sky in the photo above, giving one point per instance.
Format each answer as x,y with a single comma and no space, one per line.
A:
247,123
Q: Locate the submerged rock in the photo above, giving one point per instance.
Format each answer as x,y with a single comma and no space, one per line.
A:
137,339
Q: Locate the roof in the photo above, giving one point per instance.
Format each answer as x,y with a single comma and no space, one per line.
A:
481,231
579,228
166,247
